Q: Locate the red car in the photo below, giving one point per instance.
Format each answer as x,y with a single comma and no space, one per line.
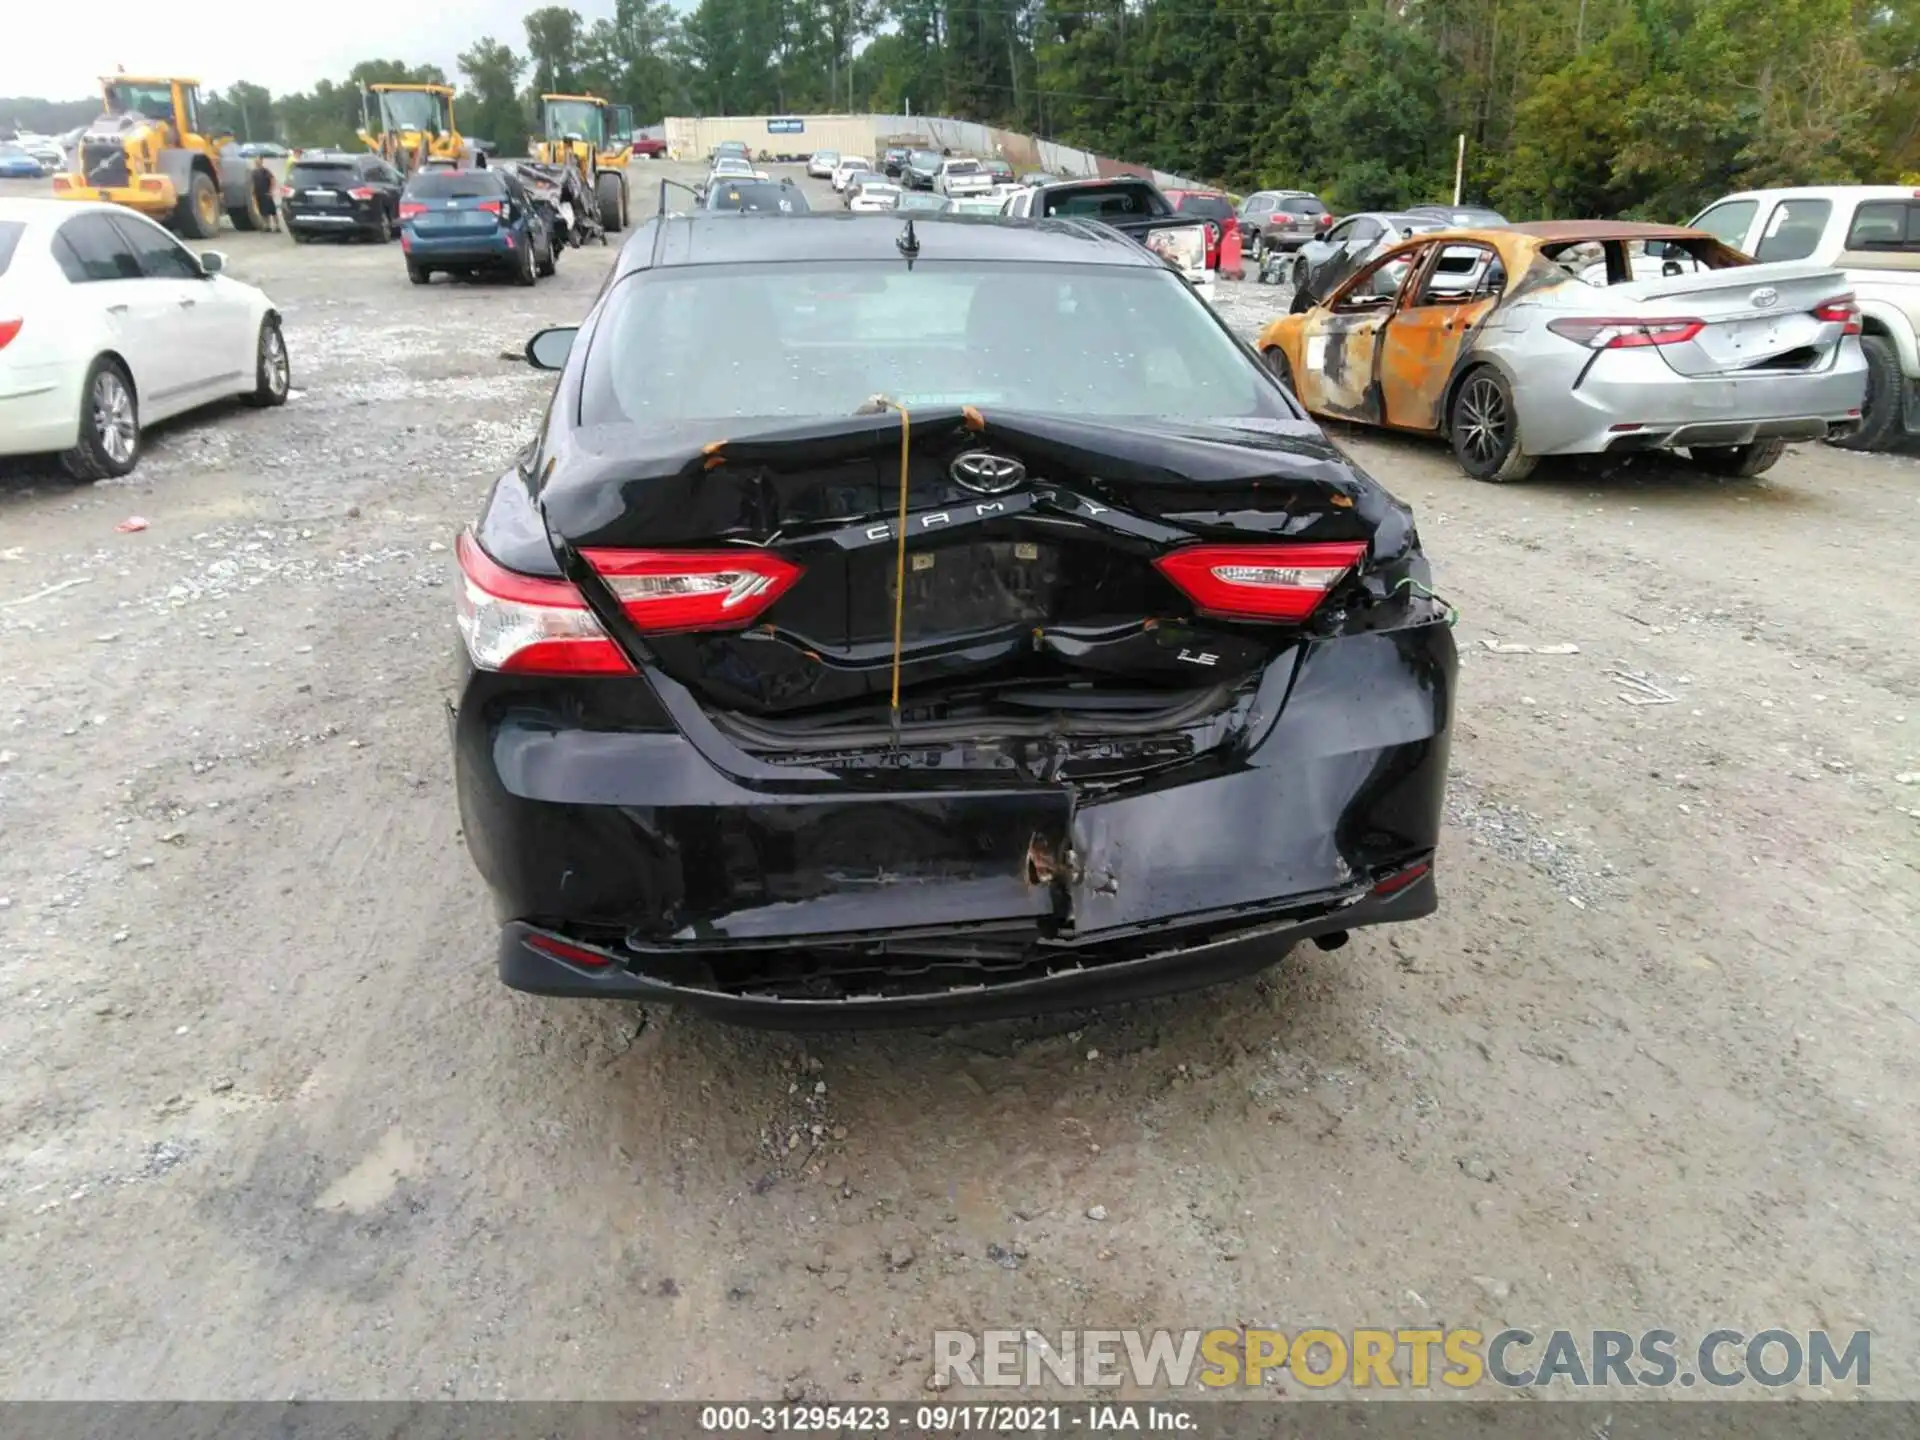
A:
650,147
1211,206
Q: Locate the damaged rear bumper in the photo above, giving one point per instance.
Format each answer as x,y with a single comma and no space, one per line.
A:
631,858
1208,953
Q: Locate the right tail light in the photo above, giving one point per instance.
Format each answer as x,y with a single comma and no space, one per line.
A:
1840,309
1260,582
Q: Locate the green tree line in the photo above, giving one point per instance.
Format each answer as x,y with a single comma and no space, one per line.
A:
1569,107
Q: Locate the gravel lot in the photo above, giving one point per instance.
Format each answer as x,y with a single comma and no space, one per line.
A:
271,1127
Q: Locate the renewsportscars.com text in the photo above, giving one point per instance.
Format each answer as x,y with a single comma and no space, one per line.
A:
1408,1358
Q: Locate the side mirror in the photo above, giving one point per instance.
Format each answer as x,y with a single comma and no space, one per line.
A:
212,262
549,349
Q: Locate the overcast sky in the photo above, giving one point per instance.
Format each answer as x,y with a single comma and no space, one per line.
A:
60,54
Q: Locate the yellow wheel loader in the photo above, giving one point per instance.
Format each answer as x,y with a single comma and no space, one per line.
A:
416,127
146,152
595,137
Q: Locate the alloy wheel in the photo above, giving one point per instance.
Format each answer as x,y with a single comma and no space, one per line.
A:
1483,413
113,418
273,358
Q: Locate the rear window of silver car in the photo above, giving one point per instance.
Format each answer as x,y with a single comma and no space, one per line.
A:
758,342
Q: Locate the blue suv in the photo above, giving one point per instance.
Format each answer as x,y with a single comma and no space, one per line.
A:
472,221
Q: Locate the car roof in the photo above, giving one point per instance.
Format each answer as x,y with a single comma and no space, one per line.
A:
702,239
1825,192
30,210
1554,232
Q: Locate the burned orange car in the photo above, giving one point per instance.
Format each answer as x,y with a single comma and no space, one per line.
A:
1581,337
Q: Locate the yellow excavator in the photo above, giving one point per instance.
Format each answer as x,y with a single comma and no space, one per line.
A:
596,138
416,127
146,152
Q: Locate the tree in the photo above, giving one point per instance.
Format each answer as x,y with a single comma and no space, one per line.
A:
553,43
1374,120
490,109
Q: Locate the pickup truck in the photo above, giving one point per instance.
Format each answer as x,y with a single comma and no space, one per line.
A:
1135,208
1870,232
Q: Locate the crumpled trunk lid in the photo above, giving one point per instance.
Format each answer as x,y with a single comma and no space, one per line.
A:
1031,588
1757,316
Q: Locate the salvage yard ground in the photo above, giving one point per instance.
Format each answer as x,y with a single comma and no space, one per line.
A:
270,1127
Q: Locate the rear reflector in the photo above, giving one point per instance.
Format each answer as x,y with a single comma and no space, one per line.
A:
1400,879
9,329
528,624
667,590
1625,334
1840,310
567,951
1260,582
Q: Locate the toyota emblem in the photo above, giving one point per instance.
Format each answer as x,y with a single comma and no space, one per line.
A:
1765,298
985,473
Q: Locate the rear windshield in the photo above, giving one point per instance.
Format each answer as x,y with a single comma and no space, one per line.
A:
963,167
311,173
758,197
1106,202
1885,225
1302,205
10,233
455,185
733,342
1211,207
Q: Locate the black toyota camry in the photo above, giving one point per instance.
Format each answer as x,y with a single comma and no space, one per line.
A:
916,620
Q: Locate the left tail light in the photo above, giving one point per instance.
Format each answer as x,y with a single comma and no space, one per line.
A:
1842,310
286,192
528,624
8,329
669,590
360,192
411,208
1625,334
1260,582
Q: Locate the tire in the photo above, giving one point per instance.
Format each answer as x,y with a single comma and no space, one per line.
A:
1301,301
300,237
1277,366
419,274
1742,460
610,195
199,209
383,232
109,444
1485,428
523,270
1880,414
272,371
543,262
247,216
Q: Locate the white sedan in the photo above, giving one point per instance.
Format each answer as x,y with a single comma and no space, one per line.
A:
108,323
849,166
873,197
728,168
820,166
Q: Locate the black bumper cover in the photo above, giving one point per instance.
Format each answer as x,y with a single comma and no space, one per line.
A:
713,878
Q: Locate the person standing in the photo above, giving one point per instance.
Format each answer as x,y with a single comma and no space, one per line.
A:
262,179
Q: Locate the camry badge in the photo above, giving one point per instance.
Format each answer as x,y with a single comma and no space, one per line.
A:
985,473
1765,298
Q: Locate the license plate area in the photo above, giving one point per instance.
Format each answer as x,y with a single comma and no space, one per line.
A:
951,589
